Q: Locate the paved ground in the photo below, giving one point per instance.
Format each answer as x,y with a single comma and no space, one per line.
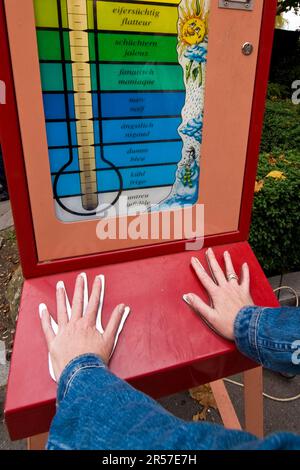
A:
278,416
6,219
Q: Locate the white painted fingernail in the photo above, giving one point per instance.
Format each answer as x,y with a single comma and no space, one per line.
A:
127,310
42,309
60,285
198,262
186,298
83,275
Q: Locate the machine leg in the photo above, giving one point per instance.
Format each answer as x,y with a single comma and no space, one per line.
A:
37,442
225,406
253,398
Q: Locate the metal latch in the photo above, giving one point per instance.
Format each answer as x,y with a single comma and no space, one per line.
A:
246,5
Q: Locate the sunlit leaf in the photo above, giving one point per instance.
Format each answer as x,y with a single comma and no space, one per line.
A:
278,175
258,186
205,397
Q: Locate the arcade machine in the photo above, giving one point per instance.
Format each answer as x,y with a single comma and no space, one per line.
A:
130,132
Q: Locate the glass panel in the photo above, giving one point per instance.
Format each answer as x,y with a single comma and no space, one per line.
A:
123,88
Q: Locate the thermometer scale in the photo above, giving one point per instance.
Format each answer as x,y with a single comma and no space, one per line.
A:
82,84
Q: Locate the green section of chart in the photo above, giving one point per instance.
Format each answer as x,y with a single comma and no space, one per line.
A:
116,47
49,45
52,77
117,77
121,77
139,48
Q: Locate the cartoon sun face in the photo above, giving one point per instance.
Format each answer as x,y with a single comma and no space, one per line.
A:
193,22
193,31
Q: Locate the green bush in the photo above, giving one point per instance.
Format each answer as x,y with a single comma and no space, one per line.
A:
281,126
277,91
275,229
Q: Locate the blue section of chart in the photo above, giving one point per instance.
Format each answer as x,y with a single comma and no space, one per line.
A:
59,157
57,133
138,130
143,154
120,155
118,105
55,106
133,178
132,130
142,104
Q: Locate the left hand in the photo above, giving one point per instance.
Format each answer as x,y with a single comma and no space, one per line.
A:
227,294
79,335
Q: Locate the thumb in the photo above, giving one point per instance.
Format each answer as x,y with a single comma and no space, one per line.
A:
113,325
200,307
46,324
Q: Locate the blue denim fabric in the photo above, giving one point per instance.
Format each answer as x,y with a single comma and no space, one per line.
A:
97,410
270,336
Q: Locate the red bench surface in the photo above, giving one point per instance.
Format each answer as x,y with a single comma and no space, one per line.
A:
164,347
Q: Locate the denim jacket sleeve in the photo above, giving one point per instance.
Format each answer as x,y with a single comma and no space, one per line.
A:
97,410
270,336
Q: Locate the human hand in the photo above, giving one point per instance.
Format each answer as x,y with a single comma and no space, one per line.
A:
227,294
78,335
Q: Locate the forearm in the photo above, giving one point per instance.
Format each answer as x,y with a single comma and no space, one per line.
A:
270,336
89,397
97,410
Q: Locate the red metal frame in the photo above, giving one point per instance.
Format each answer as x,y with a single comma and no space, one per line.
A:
11,144
10,139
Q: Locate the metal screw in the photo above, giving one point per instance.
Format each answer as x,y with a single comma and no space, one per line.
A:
247,48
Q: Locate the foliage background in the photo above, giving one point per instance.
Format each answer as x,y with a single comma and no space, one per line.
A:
275,229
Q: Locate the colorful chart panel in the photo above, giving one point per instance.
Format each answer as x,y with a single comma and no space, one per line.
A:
123,90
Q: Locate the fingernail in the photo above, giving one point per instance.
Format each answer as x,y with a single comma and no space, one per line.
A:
187,299
42,309
197,261
60,285
209,251
121,309
101,278
83,275
127,310
226,253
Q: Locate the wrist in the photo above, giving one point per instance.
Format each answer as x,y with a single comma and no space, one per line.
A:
75,367
246,326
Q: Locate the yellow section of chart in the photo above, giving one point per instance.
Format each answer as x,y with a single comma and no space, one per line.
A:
137,17
171,2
